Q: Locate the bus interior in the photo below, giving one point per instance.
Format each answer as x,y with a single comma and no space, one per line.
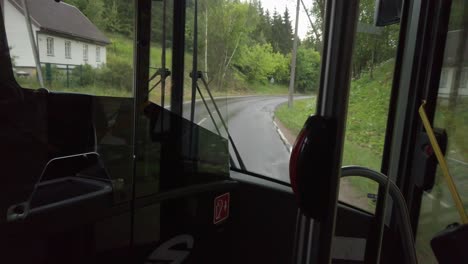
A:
145,143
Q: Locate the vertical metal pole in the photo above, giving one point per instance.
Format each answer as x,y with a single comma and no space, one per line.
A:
33,43
193,140
340,20
68,77
206,42
178,52
141,63
293,59
163,55
194,61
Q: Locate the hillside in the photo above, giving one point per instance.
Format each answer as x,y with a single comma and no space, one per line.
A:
367,117
367,111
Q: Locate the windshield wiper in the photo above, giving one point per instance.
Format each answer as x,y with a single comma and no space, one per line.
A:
195,75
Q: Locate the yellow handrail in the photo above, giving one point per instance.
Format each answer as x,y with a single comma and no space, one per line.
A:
443,164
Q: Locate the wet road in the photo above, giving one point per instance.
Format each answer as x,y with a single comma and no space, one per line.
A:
250,122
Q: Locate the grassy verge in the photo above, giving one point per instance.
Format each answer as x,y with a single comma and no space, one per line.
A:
366,122
295,117
122,47
354,153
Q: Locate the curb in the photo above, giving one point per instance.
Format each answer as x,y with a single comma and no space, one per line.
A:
282,137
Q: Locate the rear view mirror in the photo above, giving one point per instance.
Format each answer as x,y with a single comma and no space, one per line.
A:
387,12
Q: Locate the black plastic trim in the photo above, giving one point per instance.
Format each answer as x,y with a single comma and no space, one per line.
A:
184,192
178,53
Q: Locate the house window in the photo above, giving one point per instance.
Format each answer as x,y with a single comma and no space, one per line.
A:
98,54
443,79
68,49
85,52
464,79
50,46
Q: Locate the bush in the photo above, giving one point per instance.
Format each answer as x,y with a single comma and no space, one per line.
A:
307,70
259,63
116,74
83,75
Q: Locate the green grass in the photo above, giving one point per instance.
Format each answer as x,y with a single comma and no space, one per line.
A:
454,118
365,126
121,50
295,117
368,108
354,153
122,47
366,121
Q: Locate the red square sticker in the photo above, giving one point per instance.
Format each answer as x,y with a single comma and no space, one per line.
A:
221,208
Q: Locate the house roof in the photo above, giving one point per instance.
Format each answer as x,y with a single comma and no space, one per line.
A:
63,19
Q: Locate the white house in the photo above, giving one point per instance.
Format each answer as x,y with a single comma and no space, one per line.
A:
454,62
64,35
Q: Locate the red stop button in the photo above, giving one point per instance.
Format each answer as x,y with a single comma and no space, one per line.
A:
221,208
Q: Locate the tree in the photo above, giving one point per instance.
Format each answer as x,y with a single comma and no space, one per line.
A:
287,33
276,29
230,24
307,69
314,37
92,9
266,26
112,21
262,32
259,63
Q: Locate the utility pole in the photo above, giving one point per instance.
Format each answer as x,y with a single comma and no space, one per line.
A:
293,59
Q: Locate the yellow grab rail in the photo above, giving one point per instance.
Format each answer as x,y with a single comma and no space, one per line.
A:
443,164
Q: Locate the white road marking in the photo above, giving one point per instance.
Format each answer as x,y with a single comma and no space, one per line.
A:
444,204
282,137
201,121
458,161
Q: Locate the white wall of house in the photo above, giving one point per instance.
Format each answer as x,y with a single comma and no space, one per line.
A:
21,51
18,37
447,78
76,48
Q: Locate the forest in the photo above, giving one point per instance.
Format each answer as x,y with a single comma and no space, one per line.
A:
240,43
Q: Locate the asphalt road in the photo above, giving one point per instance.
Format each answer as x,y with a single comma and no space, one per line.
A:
250,123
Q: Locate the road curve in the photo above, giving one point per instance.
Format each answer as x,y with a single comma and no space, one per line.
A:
250,123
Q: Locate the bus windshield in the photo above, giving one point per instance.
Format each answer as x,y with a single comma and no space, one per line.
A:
251,71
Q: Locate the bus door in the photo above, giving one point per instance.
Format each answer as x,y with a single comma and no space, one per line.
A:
66,143
430,77
362,68
442,83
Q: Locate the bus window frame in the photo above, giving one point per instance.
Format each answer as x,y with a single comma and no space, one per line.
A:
416,78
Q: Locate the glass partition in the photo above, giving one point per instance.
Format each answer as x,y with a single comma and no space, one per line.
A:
83,121
437,207
180,151
373,66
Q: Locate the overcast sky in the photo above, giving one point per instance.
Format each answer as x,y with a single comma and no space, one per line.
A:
280,5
